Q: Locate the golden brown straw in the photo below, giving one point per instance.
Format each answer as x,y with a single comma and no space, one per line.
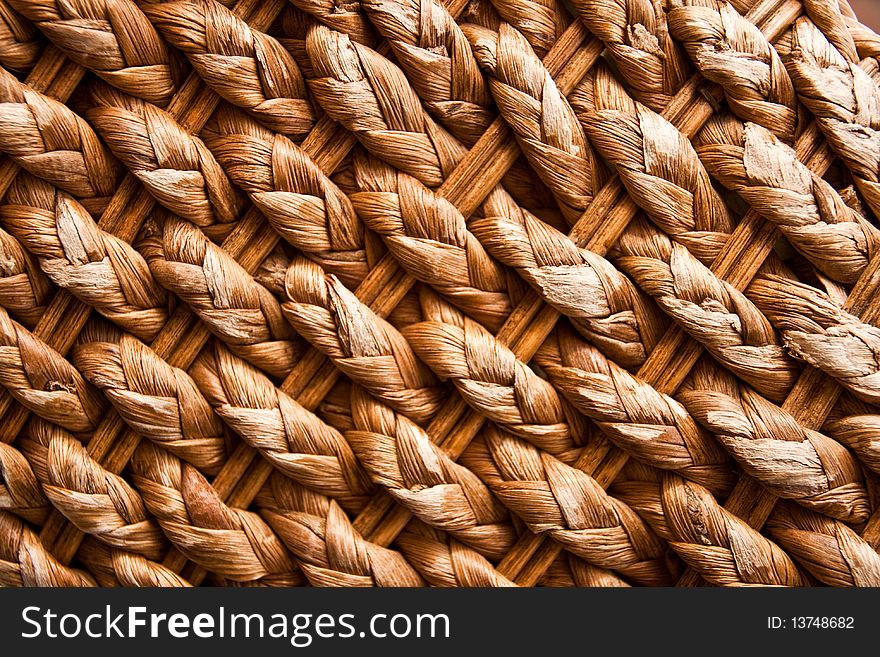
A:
286,294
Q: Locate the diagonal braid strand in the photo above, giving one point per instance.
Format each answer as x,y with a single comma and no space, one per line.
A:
172,164
98,268
569,505
245,66
656,163
832,552
362,345
820,332
98,502
232,543
791,461
49,140
129,207
328,549
24,561
40,379
542,22
115,567
20,42
20,491
844,100
453,415
544,123
808,211
290,437
731,51
722,547
441,251
401,458
299,200
638,42
160,402
111,37
24,288
227,299
650,426
445,562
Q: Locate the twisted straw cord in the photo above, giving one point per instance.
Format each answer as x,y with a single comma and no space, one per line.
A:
723,548
360,343
866,40
445,562
656,163
602,304
172,164
300,201
548,322
807,210
569,570
844,99
732,52
345,16
373,98
544,123
490,378
652,427
291,438
20,44
114,567
233,306
329,550
351,85
437,57
830,550
20,492
232,543
541,22
569,505
709,309
111,37
402,458
861,433
50,141
638,41
430,239
829,19
273,269
25,562
158,401
98,268
97,502
128,210
793,462
818,331
24,288
40,379
246,67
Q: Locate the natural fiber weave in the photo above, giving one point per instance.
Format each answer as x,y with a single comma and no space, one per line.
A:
439,293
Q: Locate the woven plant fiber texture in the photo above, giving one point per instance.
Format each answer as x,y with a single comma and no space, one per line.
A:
460,293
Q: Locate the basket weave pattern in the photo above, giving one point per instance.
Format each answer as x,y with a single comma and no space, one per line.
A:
439,293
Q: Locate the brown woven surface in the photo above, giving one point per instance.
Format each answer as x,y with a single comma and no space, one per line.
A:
439,293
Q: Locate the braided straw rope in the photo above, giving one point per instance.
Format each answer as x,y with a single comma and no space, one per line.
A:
20,44
407,264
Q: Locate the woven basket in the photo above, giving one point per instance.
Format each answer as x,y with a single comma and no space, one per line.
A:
439,293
